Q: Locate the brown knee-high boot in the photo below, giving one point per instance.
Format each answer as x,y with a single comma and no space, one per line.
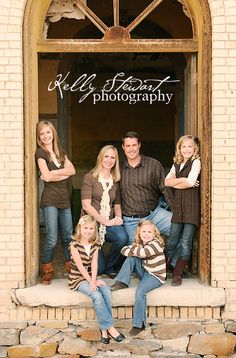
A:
47,273
178,271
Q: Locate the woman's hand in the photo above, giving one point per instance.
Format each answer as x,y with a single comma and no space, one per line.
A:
116,221
93,286
100,283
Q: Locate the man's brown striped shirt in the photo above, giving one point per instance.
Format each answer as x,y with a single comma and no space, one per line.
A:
142,186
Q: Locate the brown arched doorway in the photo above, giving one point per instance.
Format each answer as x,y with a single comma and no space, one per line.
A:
117,35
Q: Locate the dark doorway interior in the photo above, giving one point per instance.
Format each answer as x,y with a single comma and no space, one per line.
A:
87,125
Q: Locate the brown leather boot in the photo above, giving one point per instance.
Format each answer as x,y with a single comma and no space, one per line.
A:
47,273
178,271
67,268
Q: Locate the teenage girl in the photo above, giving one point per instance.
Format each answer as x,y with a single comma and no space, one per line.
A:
55,169
184,179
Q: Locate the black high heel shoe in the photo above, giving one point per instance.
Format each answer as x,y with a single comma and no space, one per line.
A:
104,340
118,338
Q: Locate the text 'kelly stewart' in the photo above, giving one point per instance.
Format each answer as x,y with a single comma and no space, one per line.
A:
120,88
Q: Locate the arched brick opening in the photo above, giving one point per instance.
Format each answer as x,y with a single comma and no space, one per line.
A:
34,43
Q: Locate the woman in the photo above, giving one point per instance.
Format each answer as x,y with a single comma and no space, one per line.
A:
55,169
101,199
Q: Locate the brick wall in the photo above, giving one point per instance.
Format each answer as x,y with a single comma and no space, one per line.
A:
11,152
224,150
12,148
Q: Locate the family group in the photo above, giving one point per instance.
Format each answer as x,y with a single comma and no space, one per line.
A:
120,205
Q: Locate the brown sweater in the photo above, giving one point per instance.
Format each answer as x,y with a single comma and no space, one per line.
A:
152,256
92,189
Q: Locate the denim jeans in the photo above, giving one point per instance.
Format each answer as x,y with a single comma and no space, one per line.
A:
147,283
55,217
180,240
101,302
160,217
118,238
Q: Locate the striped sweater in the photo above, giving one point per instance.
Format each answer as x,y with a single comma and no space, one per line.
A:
152,256
75,276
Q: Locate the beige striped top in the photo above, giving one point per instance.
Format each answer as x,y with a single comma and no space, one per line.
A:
75,276
152,256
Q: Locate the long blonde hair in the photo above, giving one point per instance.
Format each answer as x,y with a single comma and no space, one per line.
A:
138,241
83,220
178,158
60,153
115,171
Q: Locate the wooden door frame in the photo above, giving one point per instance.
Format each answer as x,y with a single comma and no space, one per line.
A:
33,43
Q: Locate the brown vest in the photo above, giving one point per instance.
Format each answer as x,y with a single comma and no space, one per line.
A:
186,204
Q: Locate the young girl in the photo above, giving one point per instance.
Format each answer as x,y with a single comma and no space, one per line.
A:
146,258
83,276
55,169
184,178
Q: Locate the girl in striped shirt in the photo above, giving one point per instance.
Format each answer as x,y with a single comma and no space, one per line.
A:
83,276
145,257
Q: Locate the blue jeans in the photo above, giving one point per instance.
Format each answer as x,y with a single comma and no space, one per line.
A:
55,217
118,238
101,302
160,217
180,240
147,283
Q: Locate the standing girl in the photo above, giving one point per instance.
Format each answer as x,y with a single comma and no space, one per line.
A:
184,178
146,258
83,276
55,169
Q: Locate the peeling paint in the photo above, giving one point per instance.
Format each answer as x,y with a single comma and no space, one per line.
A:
64,8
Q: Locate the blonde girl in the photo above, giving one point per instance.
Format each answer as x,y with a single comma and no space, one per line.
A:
101,199
145,257
83,276
184,179
55,169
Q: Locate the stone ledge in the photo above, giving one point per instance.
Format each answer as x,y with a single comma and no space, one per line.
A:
191,294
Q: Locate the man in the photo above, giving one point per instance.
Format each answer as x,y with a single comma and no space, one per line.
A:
141,185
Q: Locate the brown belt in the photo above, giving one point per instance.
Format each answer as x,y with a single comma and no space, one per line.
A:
139,216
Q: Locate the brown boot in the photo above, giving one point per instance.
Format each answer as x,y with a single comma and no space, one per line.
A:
67,268
47,273
178,271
